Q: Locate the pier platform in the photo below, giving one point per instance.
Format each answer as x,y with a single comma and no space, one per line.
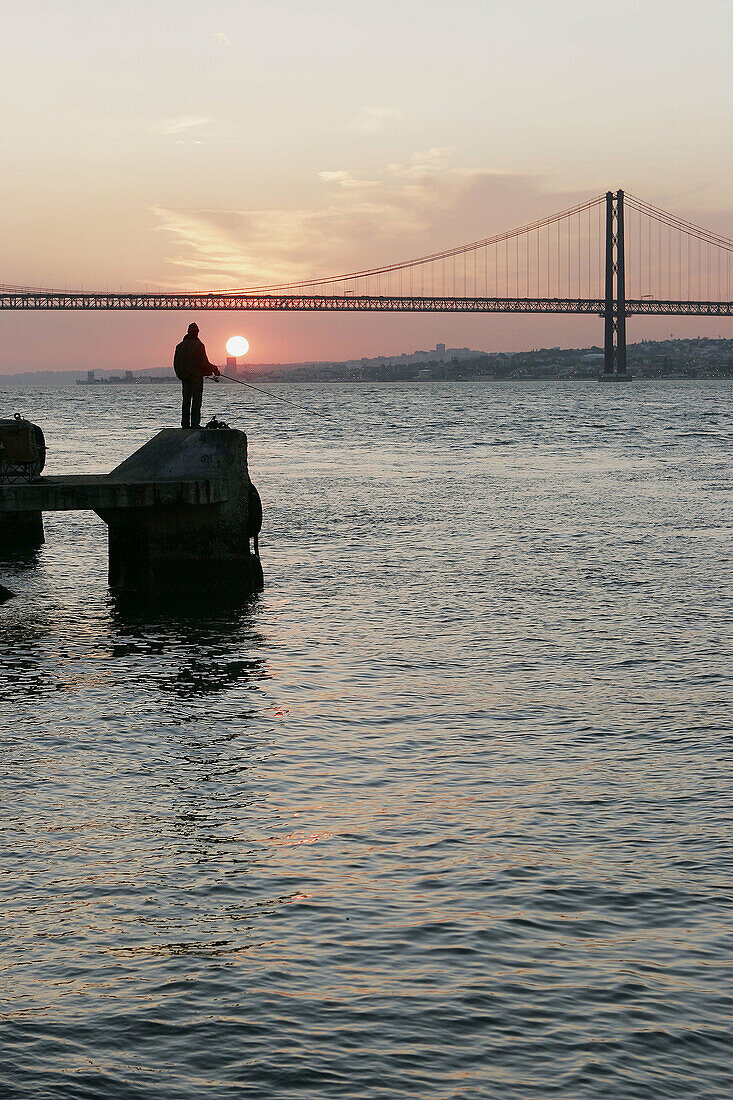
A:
177,513
100,492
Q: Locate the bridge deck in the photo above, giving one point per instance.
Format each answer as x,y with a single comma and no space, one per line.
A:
101,492
349,303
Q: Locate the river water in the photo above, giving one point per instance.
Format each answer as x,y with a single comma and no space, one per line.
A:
443,812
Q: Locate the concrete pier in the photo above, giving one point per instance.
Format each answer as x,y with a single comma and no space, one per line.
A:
21,530
177,513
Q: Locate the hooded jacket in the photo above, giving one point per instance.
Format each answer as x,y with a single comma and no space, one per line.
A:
190,359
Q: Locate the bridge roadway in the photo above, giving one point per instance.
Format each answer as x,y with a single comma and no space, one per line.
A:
349,303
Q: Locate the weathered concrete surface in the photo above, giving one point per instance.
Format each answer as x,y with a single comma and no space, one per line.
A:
185,550
90,492
176,511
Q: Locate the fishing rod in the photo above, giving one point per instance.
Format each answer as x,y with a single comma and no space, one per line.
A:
277,397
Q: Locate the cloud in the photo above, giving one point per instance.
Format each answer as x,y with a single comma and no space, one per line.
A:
180,125
220,37
340,177
371,120
405,209
348,181
423,164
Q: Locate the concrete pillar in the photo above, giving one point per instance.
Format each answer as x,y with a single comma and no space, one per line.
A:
184,549
21,531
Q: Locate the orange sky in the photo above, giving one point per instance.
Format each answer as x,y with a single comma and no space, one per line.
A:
210,145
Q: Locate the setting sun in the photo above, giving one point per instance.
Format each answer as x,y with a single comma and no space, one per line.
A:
237,345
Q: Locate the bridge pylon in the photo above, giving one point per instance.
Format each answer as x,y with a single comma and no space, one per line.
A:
614,312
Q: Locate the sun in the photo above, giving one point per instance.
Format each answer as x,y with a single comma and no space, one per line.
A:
237,345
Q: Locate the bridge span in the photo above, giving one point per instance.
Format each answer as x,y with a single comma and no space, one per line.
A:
336,303
574,262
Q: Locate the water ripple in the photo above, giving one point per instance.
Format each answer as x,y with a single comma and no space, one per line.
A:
445,812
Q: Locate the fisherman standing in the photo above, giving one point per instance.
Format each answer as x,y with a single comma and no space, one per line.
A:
192,365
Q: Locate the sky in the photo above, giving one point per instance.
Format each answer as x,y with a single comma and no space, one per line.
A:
193,145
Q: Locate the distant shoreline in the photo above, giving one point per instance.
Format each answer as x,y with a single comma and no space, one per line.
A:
673,360
475,380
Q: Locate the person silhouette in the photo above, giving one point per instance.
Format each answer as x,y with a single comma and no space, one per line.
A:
191,364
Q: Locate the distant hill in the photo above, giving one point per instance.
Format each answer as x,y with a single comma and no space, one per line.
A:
676,358
42,378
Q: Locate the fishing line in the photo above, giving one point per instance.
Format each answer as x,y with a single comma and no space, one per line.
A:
275,396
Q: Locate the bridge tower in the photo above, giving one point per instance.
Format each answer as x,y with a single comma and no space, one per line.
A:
614,350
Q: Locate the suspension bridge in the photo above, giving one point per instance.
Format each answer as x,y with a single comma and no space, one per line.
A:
613,256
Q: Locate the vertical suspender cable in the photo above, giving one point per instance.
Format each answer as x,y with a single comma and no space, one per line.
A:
570,257
516,267
638,231
667,265
547,245
588,294
526,264
600,249
580,242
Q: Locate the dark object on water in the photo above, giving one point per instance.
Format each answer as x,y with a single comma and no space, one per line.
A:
254,512
217,425
5,594
254,517
22,450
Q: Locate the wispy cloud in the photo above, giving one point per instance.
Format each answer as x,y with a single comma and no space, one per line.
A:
371,120
426,163
348,181
180,125
405,209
